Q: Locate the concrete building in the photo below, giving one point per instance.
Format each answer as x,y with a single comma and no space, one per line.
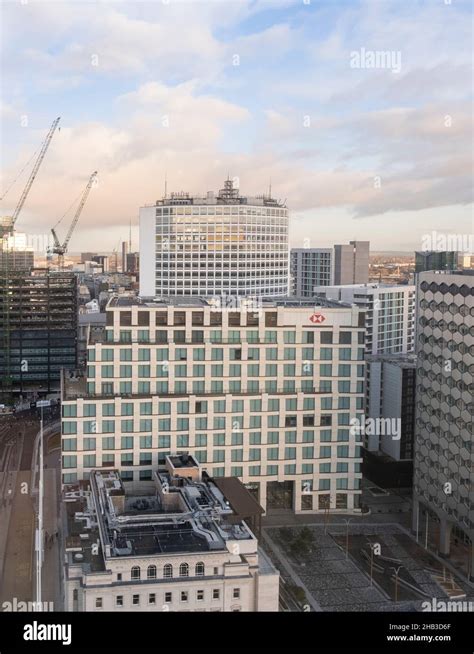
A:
351,263
181,544
390,313
309,268
444,442
266,394
391,402
38,329
224,244
426,260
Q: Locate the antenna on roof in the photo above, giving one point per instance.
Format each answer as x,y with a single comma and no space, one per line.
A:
270,189
166,184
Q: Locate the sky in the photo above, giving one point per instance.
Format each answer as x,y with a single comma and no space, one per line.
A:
358,112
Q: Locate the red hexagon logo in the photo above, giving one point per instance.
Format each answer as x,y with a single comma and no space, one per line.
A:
317,318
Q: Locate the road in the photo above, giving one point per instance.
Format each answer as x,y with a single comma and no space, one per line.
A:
18,510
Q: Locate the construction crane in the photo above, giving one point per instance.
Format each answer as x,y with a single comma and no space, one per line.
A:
59,249
7,223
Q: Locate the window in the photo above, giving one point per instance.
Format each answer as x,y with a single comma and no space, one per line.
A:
98,603
199,569
168,597
168,571
216,593
151,572
152,598
119,600
136,600
136,572
236,593
184,595
184,570
199,595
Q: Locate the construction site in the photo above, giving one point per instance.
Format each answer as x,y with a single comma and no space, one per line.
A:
38,306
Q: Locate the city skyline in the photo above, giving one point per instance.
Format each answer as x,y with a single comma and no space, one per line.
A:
148,92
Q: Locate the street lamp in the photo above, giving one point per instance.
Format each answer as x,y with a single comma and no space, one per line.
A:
396,570
347,520
372,546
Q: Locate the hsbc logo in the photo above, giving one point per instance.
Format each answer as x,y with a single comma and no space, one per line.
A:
317,318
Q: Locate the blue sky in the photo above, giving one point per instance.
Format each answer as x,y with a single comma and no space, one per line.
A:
260,89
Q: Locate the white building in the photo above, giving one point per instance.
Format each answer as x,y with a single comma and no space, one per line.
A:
266,394
181,545
390,315
310,268
223,244
391,405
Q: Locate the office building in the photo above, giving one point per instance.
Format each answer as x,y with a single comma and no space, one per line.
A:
444,443
435,260
390,312
38,328
392,399
309,268
351,263
182,546
265,394
224,244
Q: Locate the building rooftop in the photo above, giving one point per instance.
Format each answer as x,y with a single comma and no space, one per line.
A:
225,302
183,512
227,195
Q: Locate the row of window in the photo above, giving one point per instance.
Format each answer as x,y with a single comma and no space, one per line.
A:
89,410
217,354
184,596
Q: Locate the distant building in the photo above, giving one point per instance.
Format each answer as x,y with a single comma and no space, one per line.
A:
351,263
132,262
124,255
103,261
309,268
224,244
443,493
88,256
181,544
435,260
390,313
38,329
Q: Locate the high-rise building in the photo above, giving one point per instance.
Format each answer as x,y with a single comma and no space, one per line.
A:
15,253
184,546
309,268
265,393
391,399
224,244
426,260
351,263
444,443
124,255
390,313
38,328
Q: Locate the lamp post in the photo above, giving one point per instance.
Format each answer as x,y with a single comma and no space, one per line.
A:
372,545
396,570
347,535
